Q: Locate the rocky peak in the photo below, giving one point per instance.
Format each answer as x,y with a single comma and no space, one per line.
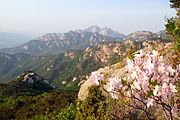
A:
105,31
140,36
93,29
49,36
29,83
31,77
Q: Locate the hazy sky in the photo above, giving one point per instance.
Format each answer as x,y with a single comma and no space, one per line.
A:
42,16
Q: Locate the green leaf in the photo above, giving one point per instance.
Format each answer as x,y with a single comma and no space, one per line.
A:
150,93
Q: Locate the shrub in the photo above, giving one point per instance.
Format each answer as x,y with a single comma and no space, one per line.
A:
68,113
94,107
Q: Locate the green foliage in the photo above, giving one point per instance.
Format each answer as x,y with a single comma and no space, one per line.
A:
43,106
2,88
175,3
178,88
172,27
94,107
8,102
22,98
62,68
68,113
130,53
39,117
19,88
66,69
114,59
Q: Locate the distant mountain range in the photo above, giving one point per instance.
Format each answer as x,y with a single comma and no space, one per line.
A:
59,43
55,43
8,40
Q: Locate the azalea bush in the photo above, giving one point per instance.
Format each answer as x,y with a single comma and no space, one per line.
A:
149,82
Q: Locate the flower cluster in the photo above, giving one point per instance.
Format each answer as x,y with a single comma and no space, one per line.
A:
96,77
113,86
149,78
148,73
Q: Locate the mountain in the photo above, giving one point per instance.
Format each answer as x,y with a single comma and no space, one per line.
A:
8,40
105,31
67,69
140,36
59,43
147,35
55,43
8,61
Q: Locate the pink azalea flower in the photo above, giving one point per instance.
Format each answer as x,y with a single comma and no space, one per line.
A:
150,102
96,77
173,88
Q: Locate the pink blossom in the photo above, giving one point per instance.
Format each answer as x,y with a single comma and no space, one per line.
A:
141,53
149,66
114,84
150,102
173,88
156,91
114,96
96,77
155,53
171,70
137,84
161,68
147,72
129,64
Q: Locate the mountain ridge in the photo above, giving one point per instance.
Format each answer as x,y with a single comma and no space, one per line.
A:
55,43
65,69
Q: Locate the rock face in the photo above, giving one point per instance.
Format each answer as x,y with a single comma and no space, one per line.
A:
114,70
31,77
83,92
110,51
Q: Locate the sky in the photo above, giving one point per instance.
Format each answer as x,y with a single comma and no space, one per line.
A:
59,16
